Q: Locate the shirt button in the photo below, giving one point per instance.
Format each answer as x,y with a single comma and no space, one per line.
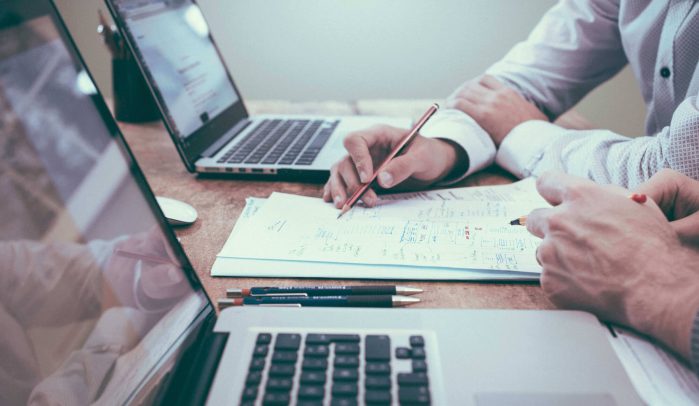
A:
665,72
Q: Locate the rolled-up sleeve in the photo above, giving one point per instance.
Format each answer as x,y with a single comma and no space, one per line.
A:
459,128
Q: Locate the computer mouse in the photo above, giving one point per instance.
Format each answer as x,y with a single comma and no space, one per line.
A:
176,212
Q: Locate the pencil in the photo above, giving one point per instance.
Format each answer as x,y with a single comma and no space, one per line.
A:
397,150
321,301
636,197
521,221
331,290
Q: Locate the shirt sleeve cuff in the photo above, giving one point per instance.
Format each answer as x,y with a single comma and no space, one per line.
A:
524,146
694,344
457,127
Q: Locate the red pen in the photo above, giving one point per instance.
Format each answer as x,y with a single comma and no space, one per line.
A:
638,197
397,150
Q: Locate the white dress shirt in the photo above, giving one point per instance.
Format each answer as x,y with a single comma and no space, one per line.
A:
577,45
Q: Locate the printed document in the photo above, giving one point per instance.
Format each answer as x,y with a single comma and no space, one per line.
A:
658,376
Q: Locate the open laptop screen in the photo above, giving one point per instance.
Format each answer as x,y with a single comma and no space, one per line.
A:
94,291
171,38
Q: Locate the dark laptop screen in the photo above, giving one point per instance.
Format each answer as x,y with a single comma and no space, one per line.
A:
94,291
171,38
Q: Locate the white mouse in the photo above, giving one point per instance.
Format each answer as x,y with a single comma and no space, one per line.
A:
176,212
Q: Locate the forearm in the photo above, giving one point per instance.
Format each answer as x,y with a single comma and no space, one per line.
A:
677,323
575,47
661,294
603,156
473,147
694,343
599,155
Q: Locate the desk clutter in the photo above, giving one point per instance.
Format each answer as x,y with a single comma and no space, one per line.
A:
449,234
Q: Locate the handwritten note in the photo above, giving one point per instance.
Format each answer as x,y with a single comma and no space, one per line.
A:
519,192
463,229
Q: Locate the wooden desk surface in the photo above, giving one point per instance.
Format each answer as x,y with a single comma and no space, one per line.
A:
220,202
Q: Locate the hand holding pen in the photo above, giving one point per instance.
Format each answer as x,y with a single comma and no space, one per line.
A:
397,149
427,160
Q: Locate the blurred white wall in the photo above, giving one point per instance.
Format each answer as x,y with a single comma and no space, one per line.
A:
363,49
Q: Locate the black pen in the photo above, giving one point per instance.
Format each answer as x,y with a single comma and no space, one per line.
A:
321,301
309,291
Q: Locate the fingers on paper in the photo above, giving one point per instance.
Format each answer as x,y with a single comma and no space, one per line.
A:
327,197
557,187
350,177
337,188
538,222
370,198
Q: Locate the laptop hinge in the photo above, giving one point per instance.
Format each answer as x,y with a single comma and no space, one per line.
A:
225,139
191,380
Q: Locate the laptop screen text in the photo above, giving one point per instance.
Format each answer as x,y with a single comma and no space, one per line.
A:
172,41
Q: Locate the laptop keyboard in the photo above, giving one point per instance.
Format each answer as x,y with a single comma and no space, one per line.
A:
283,142
335,369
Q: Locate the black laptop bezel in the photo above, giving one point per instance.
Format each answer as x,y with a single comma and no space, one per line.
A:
203,322
191,148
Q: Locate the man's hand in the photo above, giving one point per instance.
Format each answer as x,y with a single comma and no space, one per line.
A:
426,161
604,253
678,197
495,107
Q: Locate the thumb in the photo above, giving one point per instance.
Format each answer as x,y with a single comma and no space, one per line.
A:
398,170
687,229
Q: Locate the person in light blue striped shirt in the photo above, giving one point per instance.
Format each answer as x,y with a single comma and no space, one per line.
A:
630,263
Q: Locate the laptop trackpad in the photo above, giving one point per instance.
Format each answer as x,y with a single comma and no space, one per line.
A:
543,399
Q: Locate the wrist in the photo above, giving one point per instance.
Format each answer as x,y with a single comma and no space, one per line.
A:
675,328
672,304
455,159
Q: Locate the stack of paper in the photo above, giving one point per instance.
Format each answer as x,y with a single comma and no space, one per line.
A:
459,233
658,376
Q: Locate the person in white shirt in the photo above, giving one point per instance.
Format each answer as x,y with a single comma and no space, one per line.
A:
505,115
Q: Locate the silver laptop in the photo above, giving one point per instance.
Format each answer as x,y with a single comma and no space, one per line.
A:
99,303
203,110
